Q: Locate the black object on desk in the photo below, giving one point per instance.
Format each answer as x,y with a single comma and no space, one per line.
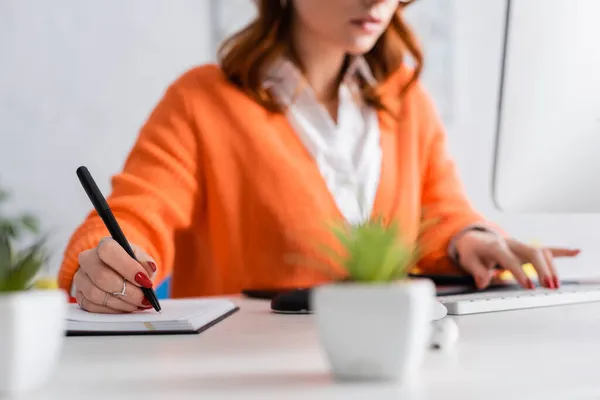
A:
263,294
298,301
292,302
104,211
448,280
283,301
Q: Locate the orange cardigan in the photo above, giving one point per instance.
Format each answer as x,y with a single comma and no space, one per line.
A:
221,192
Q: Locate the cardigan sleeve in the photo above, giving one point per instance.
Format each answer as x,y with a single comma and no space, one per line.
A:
446,210
155,194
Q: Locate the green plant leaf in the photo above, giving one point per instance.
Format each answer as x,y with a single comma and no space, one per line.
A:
406,262
26,268
30,223
331,253
18,268
8,229
375,251
5,259
390,263
342,234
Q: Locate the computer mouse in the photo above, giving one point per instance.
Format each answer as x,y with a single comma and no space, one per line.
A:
292,302
439,311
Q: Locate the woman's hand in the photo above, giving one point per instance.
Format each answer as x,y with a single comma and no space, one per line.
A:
480,252
106,271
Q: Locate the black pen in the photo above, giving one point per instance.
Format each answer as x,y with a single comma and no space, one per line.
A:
104,211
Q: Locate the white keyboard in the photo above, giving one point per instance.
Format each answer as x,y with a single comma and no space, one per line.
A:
482,302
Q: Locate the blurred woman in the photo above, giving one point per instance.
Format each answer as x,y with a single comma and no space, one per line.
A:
312,115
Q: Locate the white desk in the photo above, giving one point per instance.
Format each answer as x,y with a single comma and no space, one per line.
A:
551,353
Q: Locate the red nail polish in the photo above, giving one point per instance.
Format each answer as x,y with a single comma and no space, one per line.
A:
152,265
144,308
143,280
530,284
548,282
556,282
146,303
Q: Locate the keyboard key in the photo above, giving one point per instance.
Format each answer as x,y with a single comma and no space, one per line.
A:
481,302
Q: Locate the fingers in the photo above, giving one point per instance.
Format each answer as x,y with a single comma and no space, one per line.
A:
537,258
91,292
89,306
551,267
503,255
108,280
510,254
103,276
478,270
113,255
147,262
562,252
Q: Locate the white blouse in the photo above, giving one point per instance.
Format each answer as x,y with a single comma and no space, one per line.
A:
347,153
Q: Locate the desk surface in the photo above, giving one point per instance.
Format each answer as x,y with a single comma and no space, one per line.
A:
546,353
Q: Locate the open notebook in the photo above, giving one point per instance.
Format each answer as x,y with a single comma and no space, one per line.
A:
178,316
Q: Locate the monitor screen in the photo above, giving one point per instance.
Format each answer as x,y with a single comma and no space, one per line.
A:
548,134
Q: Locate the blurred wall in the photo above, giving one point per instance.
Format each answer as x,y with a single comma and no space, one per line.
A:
77,80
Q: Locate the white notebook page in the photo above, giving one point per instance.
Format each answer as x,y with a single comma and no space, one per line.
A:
172,310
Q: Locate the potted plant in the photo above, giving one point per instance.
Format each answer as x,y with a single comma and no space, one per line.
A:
32,313
376,323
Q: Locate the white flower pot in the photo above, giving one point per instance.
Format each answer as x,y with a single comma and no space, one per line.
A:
32,330
375,331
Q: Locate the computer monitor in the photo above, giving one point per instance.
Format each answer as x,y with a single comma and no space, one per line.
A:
548,134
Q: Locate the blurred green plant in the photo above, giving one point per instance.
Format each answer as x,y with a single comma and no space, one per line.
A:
18,268
373,251
369,252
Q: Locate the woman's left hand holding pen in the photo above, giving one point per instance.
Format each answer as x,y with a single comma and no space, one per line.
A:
106,271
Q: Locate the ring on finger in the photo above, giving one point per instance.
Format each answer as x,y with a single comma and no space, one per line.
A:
123,291
105,299
81,301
